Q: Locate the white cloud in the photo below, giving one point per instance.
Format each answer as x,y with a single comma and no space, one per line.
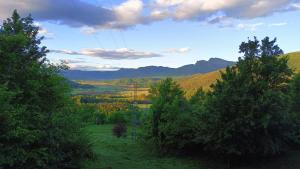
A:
89,67
296,5
278,24
118,54
159,14
81,64
179,50
126,14
167,3
129,12
250,27
88,30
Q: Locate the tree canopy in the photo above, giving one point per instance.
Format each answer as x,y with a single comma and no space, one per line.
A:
38,126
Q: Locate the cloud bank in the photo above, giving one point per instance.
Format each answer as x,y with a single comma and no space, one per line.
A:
239,9
78,13
118,54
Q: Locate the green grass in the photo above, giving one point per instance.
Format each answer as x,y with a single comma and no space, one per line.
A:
124,153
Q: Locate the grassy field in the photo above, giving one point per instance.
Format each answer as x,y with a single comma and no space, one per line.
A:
98,90
124,153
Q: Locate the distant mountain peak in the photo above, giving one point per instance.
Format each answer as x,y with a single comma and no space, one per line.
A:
216,59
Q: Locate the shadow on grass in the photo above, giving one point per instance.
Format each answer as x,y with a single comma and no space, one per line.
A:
125,153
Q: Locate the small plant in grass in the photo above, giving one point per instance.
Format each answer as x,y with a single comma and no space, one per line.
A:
119,130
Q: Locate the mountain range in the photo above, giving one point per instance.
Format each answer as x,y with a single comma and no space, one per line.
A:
201,66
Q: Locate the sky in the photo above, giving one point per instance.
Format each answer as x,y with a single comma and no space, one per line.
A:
112,34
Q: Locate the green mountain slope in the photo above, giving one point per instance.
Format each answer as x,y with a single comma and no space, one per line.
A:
191,83
294,61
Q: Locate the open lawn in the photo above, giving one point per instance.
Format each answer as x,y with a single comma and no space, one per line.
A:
124,153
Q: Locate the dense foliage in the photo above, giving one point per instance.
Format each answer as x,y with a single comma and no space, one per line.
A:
250,111
38,126
171,123
295,93
247,113
109,113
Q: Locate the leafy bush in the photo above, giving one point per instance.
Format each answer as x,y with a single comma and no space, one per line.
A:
86,112
247,113
129,115
119,130
100,117
117,117
171,123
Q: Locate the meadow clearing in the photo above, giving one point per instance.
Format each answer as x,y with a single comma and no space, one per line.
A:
120,153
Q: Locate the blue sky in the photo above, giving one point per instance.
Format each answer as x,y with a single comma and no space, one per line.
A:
112,34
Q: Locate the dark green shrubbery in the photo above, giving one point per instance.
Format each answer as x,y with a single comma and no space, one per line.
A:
295,93
251,112
95,114
247,112
295,106
248,115
39,127
171,124
118,117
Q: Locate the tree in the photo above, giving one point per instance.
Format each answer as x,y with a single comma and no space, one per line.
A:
198,98
40,127
247,113
253,48
295,93
171,123
295,107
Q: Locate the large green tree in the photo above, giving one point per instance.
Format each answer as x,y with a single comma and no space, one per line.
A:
295,93
247,112
39,130
171,122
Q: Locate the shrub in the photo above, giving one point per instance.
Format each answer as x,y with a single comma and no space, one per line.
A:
119,130
171,123
100,117
86,112
118,117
